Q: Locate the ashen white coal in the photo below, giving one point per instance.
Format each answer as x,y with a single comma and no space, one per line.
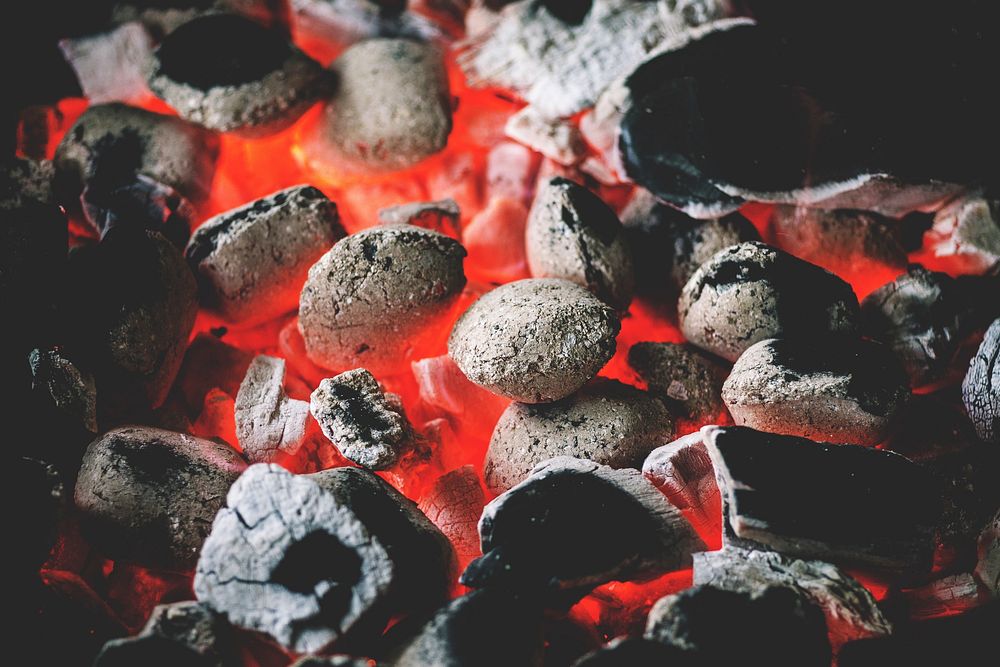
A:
269,424
981,387
368,299
751,291
252,261
849,392
688,380
572,234
148,496
607,422
231,74
967,231
534,341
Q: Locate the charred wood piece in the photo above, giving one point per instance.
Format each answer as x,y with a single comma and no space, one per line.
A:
686,379
269,424
454,504
70,390
683,472
966,234
438,216
142,203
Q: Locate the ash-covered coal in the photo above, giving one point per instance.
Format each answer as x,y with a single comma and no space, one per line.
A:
981,387
687,379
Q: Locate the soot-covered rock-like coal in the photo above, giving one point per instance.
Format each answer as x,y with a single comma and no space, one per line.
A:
683,376
981,387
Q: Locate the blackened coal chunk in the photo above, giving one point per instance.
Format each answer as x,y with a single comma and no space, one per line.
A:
68,389
535,340
725,627
326,576
921,317
252,261
148,496
668,245
372,299
231,74
683,472
38,485
23,180
366,424
981,387
391,109
464,633
141,202
185,631
439,216
111,143
542,535
572,234
162,17
846,392
850,610
454,503
685,377
132,303
838,503
606,422
751,291
635,652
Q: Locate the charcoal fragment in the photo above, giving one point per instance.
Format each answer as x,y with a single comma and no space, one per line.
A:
966,234
634,652
987,571
367,301
439,216
71,390
148,496
558,140
454,504
23,180
683,472
844,393
683,376
606,422
534,340
269,424
572,234
110,65
252,261
981,387
140,202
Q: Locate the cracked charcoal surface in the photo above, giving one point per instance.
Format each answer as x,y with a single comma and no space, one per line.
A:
439,216
539,536
320,560
367,425
683,472
847,393
772,624
969,229
112,141
368,299
148,496
252,261
851,611
268,423
607,422
751,291
231,74
454,504
534,340
981,387
71,390
391,109
572,234
164,16
689,380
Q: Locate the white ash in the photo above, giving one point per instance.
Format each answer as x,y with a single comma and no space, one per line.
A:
440,216
534,340
454,505
252,261
72,390
684,376
111,66
366,424
558,140
967,230
269,423
369,298
607,422
683,472
981,386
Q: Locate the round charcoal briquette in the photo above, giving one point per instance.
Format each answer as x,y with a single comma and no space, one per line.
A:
535,340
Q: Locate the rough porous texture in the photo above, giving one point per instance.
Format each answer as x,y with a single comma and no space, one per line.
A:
71,390
369,298
606,422
981,387
687,379
534,340
269,424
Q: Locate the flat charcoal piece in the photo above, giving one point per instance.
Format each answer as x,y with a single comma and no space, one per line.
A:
463,634
981,387
534,341
921,317
391,109
851,611
322,559
148,496
110,65
540,535
139,202
987,571
133,302
771,624
367,425
113,142
439,216
559,56
23,180
839,503
268,422
70,390
688,380
368,300
683,472
668,246
751,291
454,504
635,652
850,392
188,630
607,422
572,234
231,74
967,232
251,262
848,243
559,140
